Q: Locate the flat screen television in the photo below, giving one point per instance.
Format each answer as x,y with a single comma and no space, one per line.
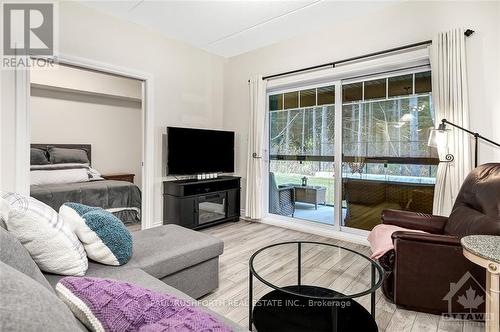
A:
194,151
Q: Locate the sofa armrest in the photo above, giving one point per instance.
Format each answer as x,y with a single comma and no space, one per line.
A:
413,220
424,267
426,238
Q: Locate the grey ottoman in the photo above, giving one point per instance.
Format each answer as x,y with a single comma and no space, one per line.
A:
182,258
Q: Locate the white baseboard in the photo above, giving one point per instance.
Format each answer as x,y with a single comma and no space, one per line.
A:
317,229
313,228
155,224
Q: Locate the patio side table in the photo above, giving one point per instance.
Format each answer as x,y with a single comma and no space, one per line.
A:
310,194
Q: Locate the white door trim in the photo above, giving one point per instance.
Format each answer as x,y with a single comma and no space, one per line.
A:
23,134
22,129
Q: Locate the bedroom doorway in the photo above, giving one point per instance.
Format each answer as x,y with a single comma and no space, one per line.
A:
93,118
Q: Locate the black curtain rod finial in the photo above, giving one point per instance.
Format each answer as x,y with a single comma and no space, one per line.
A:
468,32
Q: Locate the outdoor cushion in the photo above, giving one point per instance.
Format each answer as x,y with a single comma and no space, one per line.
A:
163,250
15,255
28,306
48,239
104,236
115,306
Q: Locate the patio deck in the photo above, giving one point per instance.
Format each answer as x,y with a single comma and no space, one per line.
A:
363,217
324,213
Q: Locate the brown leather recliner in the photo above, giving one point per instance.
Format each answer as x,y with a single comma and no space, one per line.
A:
421,267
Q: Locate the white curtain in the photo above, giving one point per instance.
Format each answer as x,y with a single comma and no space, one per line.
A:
254,190
450,99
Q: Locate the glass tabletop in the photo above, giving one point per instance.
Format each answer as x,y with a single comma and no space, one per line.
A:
316,270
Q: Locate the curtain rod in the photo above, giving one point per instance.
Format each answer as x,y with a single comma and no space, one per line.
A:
467,33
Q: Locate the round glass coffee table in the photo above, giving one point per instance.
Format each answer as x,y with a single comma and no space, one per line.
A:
311,286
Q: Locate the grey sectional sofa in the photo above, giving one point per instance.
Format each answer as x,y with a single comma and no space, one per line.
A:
168,259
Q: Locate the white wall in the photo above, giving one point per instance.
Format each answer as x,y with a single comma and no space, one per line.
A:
398,24
113,128
188,83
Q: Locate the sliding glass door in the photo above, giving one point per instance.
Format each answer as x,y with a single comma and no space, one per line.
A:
301,150
385,163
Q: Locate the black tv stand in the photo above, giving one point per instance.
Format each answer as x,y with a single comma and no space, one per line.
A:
197,204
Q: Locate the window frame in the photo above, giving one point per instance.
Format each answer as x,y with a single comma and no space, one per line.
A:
359,79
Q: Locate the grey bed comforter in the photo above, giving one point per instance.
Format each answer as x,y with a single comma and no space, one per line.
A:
120,197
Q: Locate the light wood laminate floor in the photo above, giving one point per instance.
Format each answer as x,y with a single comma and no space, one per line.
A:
243,238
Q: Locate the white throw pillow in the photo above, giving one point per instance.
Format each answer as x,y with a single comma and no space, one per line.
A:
50,242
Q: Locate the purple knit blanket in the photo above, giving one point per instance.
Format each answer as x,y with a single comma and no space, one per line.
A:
120,306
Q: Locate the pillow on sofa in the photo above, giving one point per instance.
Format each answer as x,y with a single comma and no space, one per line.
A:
15,255
110,305
104,236
28,306
48,239
64,155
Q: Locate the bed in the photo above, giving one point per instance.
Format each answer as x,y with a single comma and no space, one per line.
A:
121,198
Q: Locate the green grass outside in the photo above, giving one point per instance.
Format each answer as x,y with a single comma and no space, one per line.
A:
285,178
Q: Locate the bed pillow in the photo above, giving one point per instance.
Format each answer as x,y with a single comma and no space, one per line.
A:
58,176
105,238
38,157
48,239
94,175
64,155
111,305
